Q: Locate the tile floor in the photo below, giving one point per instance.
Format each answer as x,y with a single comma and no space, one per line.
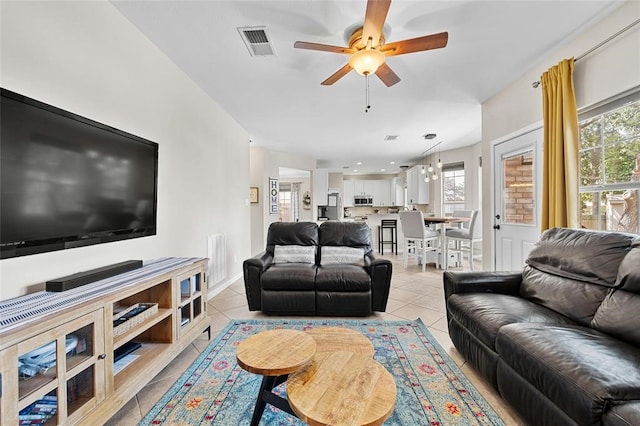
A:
414,294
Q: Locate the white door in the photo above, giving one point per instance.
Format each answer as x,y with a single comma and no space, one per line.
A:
517,180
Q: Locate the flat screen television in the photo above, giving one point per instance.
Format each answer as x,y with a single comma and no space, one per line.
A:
67,181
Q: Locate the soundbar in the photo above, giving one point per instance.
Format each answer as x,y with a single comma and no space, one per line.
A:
86,277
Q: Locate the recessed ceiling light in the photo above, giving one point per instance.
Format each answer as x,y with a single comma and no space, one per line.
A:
359,163
383,170
392,162
355,170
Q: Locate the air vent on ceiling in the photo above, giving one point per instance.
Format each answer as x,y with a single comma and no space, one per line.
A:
391,137
257,41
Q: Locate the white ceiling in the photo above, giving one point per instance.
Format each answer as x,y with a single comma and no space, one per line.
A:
280,102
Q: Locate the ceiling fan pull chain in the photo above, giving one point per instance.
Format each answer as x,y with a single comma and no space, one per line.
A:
366,101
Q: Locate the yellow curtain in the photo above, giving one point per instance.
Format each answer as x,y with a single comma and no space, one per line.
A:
561,141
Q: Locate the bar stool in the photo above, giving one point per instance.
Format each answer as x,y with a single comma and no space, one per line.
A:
391,224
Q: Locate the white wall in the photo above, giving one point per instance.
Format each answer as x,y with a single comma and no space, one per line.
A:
87,58
266,164
610,70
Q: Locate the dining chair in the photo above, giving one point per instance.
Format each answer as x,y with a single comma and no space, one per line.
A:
465,236
418,239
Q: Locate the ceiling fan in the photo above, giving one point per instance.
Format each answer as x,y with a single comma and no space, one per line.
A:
368,49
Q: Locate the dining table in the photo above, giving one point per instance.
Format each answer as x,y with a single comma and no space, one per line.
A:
442,222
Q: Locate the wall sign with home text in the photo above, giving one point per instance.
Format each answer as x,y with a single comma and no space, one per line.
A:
273,196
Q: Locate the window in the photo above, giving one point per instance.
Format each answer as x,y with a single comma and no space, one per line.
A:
452,188
610,166
289,202
284,204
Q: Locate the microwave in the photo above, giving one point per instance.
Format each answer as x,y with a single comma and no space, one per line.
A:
363,200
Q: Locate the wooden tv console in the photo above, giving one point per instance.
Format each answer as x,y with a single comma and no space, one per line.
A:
81,386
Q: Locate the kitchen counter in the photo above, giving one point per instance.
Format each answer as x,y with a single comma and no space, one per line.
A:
374,221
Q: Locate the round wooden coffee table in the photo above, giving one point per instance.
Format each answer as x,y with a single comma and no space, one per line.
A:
331,339
330,372
274,354
342,388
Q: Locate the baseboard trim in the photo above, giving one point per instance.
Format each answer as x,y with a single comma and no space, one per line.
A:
219,287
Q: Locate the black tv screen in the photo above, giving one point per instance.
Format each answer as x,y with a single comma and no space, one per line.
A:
67,181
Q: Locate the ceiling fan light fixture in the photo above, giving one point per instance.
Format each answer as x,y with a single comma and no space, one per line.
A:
366,61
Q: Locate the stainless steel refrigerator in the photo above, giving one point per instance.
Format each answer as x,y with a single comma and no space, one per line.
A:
330,211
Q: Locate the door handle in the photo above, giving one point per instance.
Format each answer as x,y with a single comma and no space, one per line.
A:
496,227
498,216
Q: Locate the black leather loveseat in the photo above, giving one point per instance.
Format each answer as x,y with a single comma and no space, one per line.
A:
311,270
560,340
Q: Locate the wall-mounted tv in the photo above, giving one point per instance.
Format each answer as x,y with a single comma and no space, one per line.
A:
67,181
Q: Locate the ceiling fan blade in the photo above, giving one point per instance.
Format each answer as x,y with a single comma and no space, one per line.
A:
323,47
418,44
337,75
374,20
386,74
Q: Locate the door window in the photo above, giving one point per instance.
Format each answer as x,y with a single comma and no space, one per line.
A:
518,189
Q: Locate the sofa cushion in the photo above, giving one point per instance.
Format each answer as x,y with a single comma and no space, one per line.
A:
342,278
294,254
624,414
629,273
583,371
338,255
352,234
343,303
289,276
291,233
575,299
483,314
618,313
571,270
584,255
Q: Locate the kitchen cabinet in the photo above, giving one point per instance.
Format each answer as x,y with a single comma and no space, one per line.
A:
320,186
397,191
363,187
417,188
382,192
347,199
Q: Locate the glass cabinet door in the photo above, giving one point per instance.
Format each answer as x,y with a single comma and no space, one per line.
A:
191,299
62,364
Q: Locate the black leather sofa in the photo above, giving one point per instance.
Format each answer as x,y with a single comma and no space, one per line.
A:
342,277
560,341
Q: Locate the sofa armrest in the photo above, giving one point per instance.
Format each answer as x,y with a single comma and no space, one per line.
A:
380,272
481,282
252,269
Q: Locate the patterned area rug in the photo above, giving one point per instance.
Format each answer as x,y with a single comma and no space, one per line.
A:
431,388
